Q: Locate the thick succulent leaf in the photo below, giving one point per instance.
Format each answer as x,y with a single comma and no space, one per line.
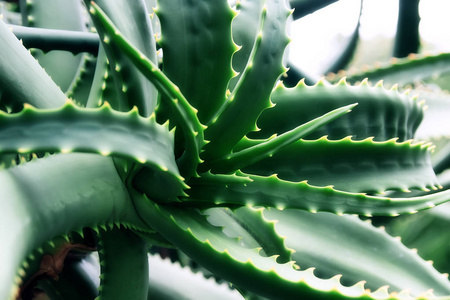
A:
202,69
252,229
22,79
184,114
103,131
305,7
156,24
402,71
57,39
208,246
132,87
428,233
54,14
380,113
407,38
80,88
274,192
354,166
103,88
251,95
355,249
245,28
124,265
272,145
41,200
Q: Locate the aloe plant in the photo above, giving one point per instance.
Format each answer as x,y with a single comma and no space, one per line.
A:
166,129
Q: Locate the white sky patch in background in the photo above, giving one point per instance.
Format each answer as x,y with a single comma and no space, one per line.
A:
435,24
317,37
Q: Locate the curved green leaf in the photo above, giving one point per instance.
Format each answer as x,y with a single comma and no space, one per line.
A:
245,28
80,88
252,229
274,192
428,233
252,94
103,88
42,200
132,87
202,69
354,166
274,144
53,14
380,113
184,114
355,249
208,246
22,79
124,265
103,131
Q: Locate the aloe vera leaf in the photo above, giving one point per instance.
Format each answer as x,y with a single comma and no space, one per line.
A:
132,87
269,147
306,7
123,252
252,229
80,87
428,233
407,38
355,249
381,113
57,39
156,24
245,28
52,14
184,114
252,95
402,71
354,166
243,267
103,131
41,200
103,87
272,191
202,70
22,79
